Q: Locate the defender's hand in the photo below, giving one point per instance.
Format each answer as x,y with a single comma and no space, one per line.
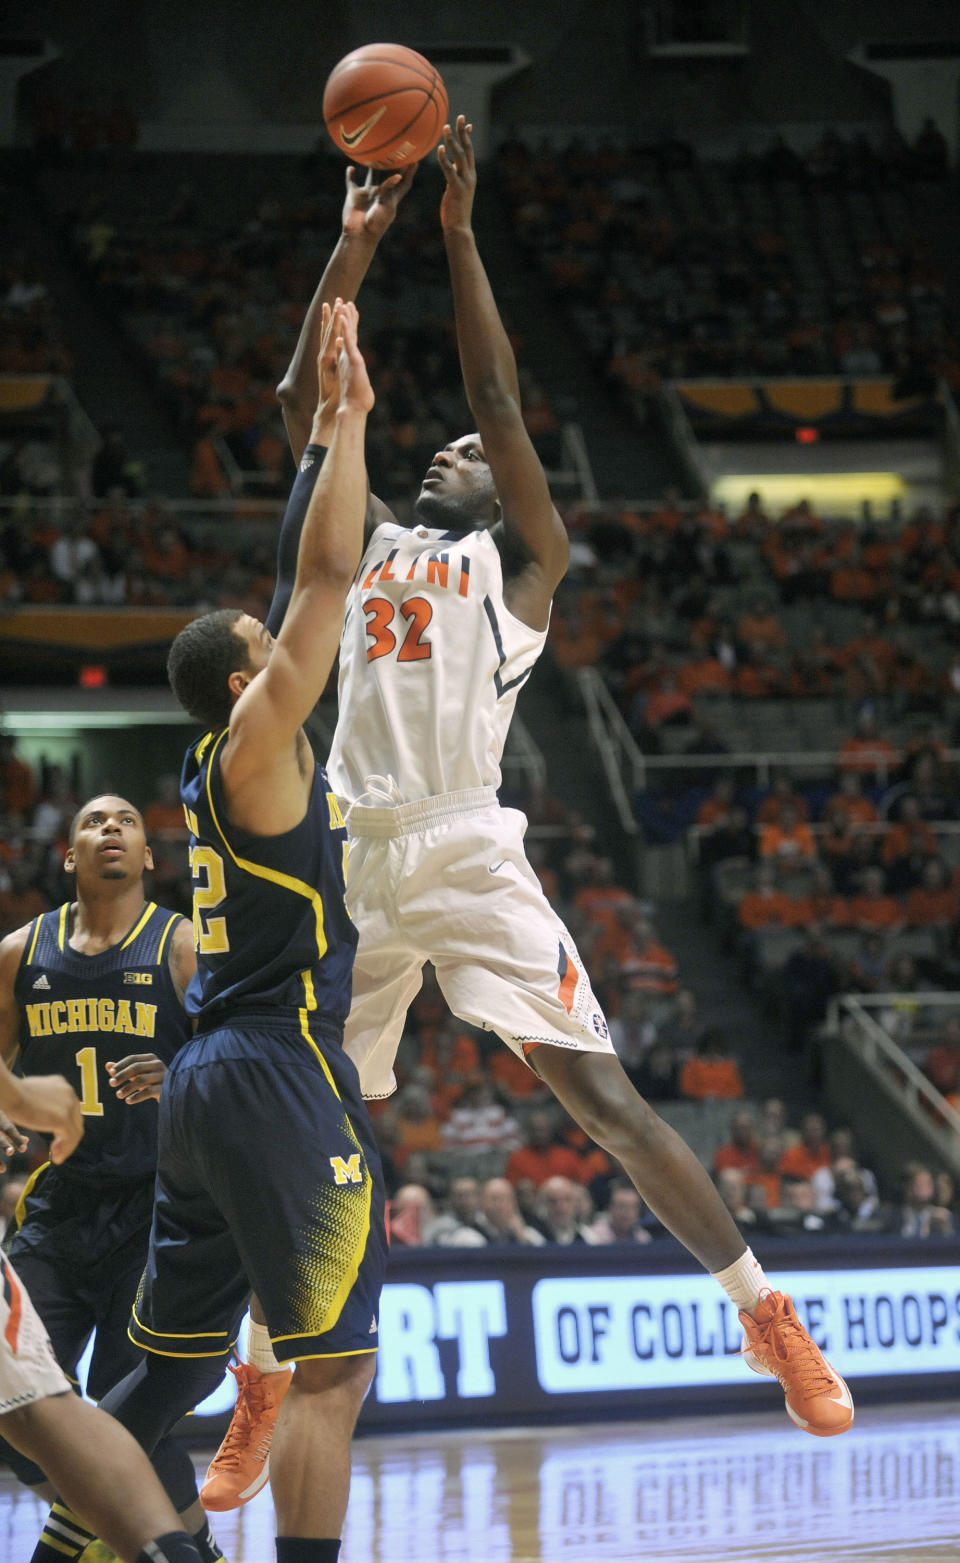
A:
138,1078
49,1103
370,208
12,1142
456,157
356,392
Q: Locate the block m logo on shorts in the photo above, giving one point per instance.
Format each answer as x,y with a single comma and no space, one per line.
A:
347,1171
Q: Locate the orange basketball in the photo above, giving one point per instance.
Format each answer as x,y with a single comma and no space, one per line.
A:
385,105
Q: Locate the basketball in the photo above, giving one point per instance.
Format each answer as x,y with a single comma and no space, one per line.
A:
385,105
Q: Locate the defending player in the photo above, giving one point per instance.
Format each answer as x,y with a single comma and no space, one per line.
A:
86,1454
443,625
80,986
267,1169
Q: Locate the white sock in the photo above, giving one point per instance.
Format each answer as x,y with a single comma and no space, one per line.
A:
259,1350
743,1281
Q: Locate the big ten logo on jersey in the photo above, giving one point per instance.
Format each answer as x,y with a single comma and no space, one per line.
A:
347,1169
403,626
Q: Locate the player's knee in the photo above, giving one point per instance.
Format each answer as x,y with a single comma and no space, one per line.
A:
342,1379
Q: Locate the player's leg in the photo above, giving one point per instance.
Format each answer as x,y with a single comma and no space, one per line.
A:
241,1466
313,1434
509,964
104,1476
115,1355
67,1317
306,1212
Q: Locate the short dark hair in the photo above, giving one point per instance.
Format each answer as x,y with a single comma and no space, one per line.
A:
200,662
72,835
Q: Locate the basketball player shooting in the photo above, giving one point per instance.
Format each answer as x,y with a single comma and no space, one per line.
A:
444,623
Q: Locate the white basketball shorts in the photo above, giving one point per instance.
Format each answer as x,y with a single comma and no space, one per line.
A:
447,880
28,1368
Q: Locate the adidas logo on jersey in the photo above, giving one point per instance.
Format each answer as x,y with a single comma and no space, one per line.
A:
42,981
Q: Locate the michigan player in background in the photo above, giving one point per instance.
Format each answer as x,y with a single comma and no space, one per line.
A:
79,987
443,626
267,1170
88,1457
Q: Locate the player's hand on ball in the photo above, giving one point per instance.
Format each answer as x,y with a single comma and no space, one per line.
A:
369,208
456,157
138,1078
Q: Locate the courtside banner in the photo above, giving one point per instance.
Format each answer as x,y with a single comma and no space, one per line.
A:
472,1336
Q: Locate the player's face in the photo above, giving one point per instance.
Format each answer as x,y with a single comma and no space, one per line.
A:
259,642
457,492
109,842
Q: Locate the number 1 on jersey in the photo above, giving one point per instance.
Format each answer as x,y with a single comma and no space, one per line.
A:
90,1103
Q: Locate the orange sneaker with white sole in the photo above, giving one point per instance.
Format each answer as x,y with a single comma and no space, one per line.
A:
777,1344
241,1466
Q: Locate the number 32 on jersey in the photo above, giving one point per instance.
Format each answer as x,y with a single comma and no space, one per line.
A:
380,615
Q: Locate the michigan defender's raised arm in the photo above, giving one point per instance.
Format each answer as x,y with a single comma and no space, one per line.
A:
266,778
368,211
531,526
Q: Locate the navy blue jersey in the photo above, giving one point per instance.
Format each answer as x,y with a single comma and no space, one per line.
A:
269,919
80,1011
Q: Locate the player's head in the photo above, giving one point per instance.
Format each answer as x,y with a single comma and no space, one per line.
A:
212,661
107,842
457,493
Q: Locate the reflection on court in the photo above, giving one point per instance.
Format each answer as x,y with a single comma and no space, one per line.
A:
739,1488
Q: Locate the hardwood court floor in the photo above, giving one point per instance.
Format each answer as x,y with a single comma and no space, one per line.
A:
743,1489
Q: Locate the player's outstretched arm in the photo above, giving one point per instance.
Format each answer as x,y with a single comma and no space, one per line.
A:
490,375
274,705
368,211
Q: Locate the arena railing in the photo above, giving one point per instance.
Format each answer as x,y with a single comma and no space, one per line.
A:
850,1017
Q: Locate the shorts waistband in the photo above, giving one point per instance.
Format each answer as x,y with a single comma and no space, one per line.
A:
270,1017
410,819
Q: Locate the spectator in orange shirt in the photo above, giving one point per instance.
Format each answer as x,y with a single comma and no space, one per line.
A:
873,908
765,906
763,1181
417,1126
782,793
650,967
741,1149
836,839
909,834
942,1063
514,1079
761,628
598,895
820,905
715,810
788,843
712,1072
851,801
542,1156
705,676
867,751
813,1152
935,902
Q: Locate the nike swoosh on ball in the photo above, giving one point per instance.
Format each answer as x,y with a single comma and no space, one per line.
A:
352,138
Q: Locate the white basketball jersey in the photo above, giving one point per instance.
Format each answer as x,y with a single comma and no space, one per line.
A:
431,661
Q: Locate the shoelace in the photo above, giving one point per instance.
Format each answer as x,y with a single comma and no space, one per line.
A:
786,1339
248,1407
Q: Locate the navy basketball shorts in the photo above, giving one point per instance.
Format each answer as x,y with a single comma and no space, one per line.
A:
80,1252
268,1180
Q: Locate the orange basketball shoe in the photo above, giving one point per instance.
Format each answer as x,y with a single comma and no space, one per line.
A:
777,1344
241,1466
